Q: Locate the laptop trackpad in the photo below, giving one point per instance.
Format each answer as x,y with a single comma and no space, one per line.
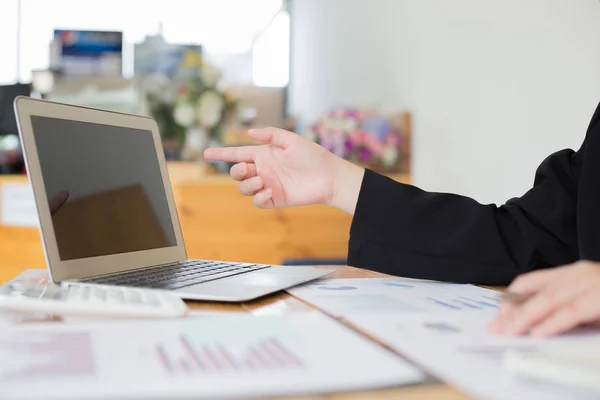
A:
242,287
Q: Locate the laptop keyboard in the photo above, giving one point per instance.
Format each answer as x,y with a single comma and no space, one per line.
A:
178,275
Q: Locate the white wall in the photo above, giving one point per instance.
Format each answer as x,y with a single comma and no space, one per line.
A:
494,85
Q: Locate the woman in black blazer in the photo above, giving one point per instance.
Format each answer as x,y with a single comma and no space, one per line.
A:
400,229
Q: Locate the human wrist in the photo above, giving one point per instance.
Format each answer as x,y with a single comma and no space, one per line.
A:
346,183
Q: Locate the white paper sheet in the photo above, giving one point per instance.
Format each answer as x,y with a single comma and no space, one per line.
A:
6,320
343,297
228,357
18,205
212,314
457,348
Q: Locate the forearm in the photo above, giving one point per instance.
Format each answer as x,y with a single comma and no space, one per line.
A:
347,181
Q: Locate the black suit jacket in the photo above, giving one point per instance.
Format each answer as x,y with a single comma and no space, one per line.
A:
401,230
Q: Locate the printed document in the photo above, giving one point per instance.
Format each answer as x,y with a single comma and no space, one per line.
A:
222,357
457,348
344,297
18,205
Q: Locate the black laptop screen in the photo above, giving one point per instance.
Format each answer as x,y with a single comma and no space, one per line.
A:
104,187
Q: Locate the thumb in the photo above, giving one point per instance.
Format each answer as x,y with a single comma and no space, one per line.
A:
278,137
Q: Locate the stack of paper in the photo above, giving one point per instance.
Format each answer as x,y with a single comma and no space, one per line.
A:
458,349
443,328
237,356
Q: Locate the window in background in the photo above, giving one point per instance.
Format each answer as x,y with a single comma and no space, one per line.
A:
233,35
8,42
232,32
271,53
221,26
39,18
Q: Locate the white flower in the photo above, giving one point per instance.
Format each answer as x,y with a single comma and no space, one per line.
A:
350,125
184,114
155,83
338,124
389,156
209,108
9,143
196,139
167,95
327,124
210,76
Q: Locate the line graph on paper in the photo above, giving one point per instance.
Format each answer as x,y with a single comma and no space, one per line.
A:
183,356
347,297
466,302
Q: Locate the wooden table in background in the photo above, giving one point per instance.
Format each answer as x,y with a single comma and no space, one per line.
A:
283,303
219,223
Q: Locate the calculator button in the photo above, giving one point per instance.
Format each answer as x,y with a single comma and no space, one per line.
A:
133,296
152,298
97,295
75,293
114,296
85,292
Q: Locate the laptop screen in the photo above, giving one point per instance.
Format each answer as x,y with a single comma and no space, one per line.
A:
104,188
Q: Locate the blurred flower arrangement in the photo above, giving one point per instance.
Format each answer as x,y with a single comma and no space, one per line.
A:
191,109
361,136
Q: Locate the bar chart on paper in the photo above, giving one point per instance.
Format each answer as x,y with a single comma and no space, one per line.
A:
466,302
237,356
345,297
184,357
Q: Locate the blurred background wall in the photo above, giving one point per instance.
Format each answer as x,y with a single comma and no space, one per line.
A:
494,86
463,96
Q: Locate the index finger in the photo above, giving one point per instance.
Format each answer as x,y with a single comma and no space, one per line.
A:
231,154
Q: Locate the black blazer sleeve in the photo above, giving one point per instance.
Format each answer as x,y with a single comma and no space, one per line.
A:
402,230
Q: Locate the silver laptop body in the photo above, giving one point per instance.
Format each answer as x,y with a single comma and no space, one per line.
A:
107,212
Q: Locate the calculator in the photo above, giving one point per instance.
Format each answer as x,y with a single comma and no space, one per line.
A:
86,300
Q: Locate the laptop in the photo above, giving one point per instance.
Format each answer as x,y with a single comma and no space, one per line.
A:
107,213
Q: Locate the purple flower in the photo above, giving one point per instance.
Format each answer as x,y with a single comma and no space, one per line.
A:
376,126
364,154
328,143
339,145
394,139
349,145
